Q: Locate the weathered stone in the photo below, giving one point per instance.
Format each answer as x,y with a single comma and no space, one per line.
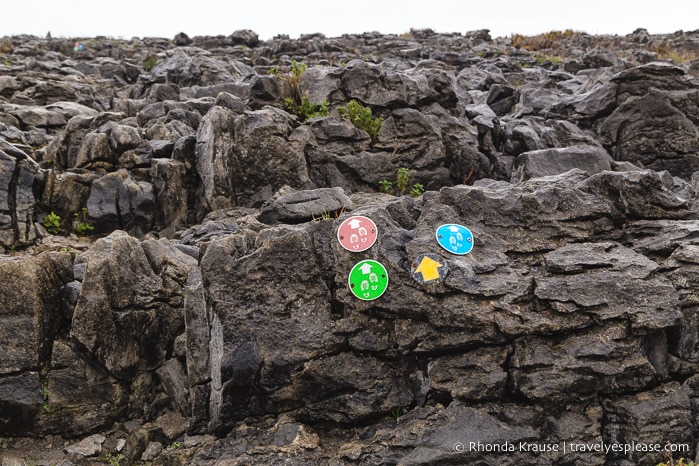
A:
79,396
607,284
170,194
245,37
304,206
21,401
215,141
573,319
30,309
152,451
127,316
652,132
123,138
182,39
172,376
475,375
18,173
95,152
173,425
658,416
71,142
547,162
241,357
118,201
90,446
581,366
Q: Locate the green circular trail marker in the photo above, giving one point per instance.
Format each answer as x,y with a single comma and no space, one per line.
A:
368,280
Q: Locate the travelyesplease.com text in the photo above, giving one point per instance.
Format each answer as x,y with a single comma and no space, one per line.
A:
570,447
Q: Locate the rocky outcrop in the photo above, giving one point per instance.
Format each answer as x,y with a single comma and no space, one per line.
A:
209,316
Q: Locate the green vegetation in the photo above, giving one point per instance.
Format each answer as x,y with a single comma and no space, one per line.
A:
327,214
666,51
400,186
45,390
361,117
45,406
149,63
52,223
298,103
386,187
547,40
679,462
541,59
402,179
83,227
114,460
417,190
306,109
398,412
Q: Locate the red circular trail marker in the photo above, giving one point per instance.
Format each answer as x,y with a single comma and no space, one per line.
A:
357,234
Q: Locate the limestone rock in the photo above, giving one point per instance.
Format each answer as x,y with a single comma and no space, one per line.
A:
546,162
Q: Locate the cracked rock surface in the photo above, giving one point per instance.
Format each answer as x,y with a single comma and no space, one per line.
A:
207,319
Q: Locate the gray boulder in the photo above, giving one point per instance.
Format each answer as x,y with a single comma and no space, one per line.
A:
590,159
32,317
304,206
18,174
650,131
244,159
118,201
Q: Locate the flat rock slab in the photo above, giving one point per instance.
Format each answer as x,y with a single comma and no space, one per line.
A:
304,206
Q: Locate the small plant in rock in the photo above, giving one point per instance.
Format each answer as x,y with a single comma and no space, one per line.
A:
45,406
306,109
553,59
386,187
83,227
361,117
52,223
328,214
149,63
298,103
400,186
402,179
679,462
114,460
417,190
398,412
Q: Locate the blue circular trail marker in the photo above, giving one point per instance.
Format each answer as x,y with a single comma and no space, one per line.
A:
457,239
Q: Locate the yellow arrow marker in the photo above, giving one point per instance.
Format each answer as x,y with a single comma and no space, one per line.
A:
429,269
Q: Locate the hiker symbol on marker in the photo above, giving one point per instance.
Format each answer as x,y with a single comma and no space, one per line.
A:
457,239
357,234
368,280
